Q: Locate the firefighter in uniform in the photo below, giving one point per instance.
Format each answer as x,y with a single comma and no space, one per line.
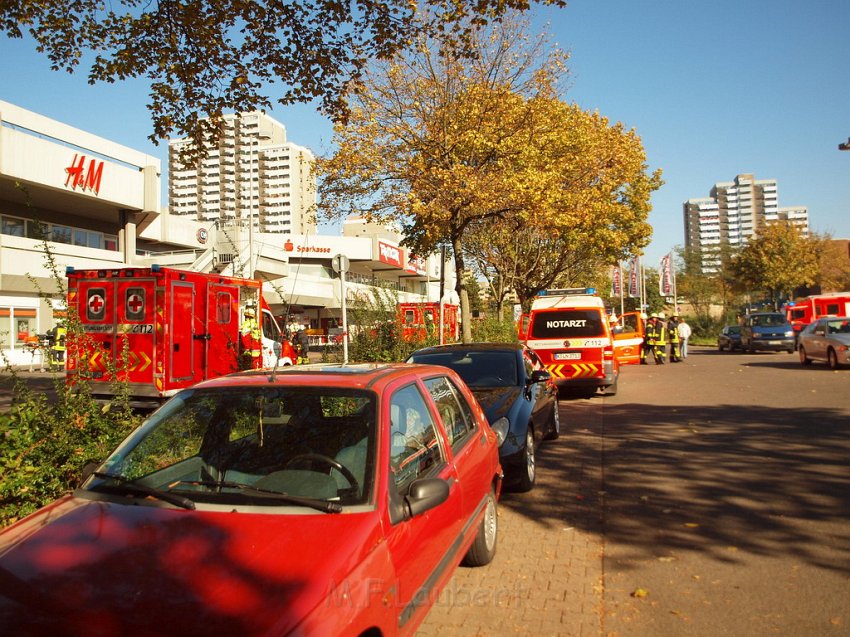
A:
57,345
655,341
252,343
672,328
648,338
660,349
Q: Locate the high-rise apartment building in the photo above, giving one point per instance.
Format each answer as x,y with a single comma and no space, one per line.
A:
253,173
733,213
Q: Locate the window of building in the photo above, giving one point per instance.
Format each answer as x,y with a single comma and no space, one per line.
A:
14,226
17,325
58,233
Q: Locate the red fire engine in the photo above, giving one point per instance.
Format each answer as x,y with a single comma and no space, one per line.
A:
161,329
421,320
802,312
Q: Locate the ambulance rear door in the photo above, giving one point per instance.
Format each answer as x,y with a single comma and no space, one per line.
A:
183,323
220,341
134,331
96,347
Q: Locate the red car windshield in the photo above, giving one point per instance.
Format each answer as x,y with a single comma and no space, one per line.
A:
244,445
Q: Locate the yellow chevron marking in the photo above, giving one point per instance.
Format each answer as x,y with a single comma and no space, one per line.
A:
146,361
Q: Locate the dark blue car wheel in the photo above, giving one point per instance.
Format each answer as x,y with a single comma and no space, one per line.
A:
528,466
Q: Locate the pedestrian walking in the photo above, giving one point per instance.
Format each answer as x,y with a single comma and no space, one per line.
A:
684,334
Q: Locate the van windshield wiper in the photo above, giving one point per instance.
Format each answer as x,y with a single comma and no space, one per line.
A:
318,505
127,486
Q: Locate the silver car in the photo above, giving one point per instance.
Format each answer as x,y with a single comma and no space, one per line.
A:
828,340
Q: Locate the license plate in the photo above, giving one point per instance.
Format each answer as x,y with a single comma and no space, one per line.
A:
567,356
774,342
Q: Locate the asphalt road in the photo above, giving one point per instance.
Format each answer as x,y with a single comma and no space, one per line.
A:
708,498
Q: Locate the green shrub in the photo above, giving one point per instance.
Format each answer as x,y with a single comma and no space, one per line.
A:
44,444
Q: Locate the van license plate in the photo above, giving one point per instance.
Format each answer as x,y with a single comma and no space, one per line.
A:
567,356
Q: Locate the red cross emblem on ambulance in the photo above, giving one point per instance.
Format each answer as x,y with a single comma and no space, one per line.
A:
135,303
96,305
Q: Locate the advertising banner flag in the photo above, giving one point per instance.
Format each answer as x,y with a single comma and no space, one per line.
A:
616,281
634,278
665,276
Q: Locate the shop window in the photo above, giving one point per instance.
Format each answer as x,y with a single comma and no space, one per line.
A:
24,323
5,326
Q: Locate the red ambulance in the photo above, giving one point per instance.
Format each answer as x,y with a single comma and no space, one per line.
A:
162,329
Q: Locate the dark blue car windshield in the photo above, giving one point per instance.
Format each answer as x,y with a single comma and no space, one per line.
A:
477,369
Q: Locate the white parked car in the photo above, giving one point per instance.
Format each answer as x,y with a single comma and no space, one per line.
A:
827,339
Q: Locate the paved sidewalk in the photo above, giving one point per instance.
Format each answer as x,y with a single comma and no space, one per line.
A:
546,578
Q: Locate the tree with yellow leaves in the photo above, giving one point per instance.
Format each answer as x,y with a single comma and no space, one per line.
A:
777,261
442,145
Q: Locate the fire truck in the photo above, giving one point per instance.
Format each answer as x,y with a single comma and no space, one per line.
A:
802,312
421,320
157,330
569,331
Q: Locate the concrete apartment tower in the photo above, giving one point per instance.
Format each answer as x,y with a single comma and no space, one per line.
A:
253,173
734,212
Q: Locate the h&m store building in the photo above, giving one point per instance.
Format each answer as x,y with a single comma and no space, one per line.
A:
81,193
97,204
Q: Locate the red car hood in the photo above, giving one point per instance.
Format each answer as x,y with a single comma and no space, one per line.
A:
102,568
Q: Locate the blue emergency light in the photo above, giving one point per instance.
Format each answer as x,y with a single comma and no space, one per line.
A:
566,291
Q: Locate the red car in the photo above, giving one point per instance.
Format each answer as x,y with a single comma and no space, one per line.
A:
307,501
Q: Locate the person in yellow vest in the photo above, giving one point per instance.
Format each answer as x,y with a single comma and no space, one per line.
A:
302,344
673,334
660,350
57,345
251,340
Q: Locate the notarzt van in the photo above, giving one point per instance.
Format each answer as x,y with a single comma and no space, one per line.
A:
569,331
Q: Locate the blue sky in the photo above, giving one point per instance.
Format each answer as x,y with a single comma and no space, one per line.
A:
714,89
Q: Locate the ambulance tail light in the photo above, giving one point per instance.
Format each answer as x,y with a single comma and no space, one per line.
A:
608,352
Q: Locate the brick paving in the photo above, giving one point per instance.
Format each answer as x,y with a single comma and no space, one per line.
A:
547,577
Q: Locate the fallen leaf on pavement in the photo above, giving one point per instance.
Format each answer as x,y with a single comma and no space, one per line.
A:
640,593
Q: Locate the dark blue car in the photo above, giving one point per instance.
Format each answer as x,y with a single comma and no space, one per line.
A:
767,332
517,395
